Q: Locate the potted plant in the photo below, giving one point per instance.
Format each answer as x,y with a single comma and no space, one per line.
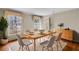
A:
3,28
61,25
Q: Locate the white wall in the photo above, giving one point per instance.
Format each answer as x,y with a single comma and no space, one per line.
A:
27,23
1,12
69,18
45,24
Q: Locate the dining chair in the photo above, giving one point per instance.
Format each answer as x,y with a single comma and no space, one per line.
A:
23,44
48,44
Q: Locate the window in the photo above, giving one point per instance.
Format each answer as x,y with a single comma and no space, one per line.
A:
42,23
14,24
37,22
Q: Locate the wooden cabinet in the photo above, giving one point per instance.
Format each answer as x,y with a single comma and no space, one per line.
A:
67,34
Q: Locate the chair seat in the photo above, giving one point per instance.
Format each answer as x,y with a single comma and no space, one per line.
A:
27,42
45,43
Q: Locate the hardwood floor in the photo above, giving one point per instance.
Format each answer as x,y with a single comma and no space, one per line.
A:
6,46
70,46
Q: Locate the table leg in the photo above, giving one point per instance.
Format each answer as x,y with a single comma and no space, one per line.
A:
34,45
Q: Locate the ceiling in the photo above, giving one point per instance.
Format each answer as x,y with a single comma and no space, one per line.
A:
41,11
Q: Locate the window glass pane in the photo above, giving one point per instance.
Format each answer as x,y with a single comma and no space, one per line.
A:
14,24
37,22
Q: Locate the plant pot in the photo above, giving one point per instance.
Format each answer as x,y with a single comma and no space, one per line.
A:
3,41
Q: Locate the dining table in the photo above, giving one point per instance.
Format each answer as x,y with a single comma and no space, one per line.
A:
34,37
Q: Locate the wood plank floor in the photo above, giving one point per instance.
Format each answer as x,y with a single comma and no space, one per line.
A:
70,46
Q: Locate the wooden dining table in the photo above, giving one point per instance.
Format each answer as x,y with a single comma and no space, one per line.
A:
34,37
